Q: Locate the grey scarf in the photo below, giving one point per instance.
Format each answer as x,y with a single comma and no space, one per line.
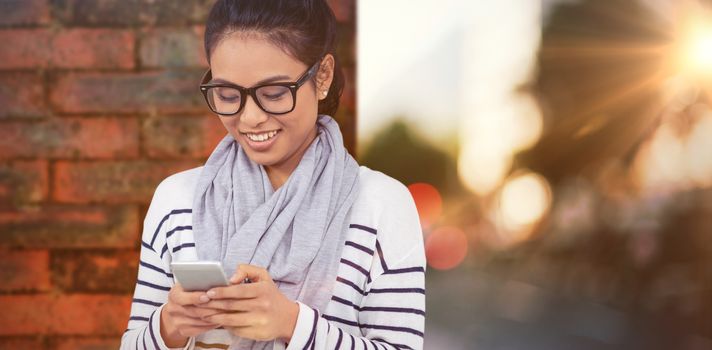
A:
296,233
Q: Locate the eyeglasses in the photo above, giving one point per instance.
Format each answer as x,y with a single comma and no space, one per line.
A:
274,98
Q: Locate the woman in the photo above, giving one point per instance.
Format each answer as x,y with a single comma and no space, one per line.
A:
333,250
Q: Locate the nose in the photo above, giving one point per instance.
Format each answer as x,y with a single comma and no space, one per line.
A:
252,114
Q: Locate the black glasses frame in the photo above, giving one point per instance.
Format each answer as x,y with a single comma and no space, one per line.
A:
251,91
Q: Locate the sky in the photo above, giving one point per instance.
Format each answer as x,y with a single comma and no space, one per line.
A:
416,55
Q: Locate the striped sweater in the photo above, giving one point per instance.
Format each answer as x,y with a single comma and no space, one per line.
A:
378,299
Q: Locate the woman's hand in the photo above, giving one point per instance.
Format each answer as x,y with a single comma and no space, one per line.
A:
181,318
256,310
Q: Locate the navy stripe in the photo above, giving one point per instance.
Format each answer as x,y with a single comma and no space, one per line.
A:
343,301
405,270
316,328
150,329
349,283
340,320
397,290
146,245
406,310
380,256
313,331
353,341
359,247
136,341
177,211
184,245
155,268
393,328
364,228
341,335
379,290
138,318
147,302
314,342
377,308
164,250
365,346
397,346
143,337
154,286
357,267
178,228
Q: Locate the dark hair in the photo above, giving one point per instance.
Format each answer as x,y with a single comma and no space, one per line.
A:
305,29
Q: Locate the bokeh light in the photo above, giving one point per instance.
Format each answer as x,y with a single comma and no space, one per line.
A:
428,201
522,201
445,247
483,163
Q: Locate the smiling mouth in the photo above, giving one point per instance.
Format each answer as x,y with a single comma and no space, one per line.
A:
261,137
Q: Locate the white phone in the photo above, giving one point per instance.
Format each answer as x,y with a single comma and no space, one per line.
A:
199,275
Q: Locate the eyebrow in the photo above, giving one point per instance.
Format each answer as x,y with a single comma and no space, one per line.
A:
263,81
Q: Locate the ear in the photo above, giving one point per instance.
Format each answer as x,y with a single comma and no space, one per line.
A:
324,76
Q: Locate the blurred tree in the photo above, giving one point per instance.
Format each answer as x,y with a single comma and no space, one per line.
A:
398,152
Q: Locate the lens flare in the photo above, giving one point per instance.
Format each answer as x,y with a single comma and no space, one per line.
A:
698,48
428,202
482,166
446,247
524,200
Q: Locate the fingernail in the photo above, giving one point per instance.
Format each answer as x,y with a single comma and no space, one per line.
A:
204,298
211,293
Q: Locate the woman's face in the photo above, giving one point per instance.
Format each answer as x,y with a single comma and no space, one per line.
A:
246,60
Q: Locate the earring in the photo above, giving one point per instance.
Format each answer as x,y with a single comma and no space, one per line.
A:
324,93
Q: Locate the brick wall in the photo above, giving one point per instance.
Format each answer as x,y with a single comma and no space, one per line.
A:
98,103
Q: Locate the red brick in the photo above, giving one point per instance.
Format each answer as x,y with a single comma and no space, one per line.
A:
73,48
33,343
24,12
29,48
86,343
70,138
77,314
23,181
24,270
169,47
93,48
131,12
169,91
172,137
24,314
22,95
53,226
112,182
92,271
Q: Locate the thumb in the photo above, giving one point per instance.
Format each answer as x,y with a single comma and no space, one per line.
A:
252,273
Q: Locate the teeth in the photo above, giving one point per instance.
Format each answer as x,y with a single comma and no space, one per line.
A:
262,137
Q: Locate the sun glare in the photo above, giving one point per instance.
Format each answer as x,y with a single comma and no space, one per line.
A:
698,48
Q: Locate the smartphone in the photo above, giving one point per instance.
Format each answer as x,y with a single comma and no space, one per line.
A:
199,275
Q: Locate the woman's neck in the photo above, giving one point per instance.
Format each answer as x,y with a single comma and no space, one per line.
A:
280,172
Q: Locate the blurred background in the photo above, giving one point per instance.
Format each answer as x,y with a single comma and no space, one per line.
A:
559,153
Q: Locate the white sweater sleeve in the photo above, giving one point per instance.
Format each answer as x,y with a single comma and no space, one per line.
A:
391,314
153,283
